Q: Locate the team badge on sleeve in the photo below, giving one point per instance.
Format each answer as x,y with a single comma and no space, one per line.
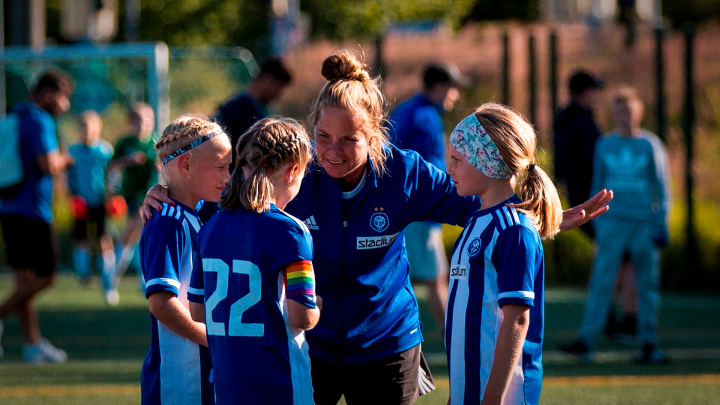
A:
379,221
474,247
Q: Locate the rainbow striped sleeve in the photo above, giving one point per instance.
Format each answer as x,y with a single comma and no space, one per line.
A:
300,281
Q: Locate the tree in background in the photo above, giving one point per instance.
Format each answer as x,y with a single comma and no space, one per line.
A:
245,22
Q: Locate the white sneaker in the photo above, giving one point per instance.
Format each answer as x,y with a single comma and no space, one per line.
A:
43,352
112,297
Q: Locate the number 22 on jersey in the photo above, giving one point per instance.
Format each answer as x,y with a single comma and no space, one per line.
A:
236,327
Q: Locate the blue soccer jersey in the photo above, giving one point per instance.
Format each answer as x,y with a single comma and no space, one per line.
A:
176,371
497,260
247,266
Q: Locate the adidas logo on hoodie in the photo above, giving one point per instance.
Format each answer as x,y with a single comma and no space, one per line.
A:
311,224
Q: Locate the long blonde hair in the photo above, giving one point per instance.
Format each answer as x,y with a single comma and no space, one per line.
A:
516,141
351,88
261,151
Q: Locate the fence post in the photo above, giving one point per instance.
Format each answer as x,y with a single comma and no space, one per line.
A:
691,248
379,63
532,79
553,72
506,68
659,82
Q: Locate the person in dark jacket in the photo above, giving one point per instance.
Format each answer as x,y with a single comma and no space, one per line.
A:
250,106
575,135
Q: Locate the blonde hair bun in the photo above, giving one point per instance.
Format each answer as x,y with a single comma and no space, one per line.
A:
344,66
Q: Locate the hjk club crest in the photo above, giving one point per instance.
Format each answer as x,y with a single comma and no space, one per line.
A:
474,247
379,221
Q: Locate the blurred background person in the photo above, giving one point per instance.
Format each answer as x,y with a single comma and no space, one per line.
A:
26,217
251,105
576,133
417,124
86,179
632,162
135,158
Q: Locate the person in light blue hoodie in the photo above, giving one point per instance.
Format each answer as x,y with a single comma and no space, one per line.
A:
633,163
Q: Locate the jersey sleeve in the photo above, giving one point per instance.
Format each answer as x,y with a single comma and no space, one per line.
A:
107,151
162,245
43,139
295,257
660,180
434,196
196,290
515,257
206,209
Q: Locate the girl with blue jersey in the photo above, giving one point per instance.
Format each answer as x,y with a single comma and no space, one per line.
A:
195,155
255,289
494,316
357,197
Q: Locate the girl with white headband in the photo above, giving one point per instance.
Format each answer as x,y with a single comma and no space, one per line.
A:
195,155
494,318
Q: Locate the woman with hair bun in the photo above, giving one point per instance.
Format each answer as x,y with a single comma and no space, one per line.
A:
356,199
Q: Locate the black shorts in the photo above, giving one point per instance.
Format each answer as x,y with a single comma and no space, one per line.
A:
396,379
30,244
96,217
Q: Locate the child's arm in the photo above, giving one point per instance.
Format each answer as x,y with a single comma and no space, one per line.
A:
172,313
197,312
303,304
302,316
516,319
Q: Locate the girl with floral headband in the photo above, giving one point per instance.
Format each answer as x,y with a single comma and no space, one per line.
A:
494,318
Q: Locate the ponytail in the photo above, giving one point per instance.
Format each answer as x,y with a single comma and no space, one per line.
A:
540,201
266,147
516,141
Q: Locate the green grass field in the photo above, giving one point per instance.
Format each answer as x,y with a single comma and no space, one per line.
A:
106,347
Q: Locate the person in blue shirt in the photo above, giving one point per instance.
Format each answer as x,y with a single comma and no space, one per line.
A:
195,155
255,290
357,197
497,274
26,217
86,179
416,124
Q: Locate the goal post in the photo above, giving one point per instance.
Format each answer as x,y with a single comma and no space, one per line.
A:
155,55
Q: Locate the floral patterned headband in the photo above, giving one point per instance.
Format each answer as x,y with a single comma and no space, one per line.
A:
474,144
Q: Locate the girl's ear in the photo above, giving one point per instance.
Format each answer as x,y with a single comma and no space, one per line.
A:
291,172
184,163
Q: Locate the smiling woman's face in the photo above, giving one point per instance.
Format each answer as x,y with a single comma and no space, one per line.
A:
341,146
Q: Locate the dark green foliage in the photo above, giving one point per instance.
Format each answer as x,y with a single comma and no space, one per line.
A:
524,10
680,12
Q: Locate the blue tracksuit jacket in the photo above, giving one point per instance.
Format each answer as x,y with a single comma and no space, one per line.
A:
361,268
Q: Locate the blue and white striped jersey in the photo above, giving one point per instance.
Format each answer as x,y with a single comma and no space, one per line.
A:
497,260
176,371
